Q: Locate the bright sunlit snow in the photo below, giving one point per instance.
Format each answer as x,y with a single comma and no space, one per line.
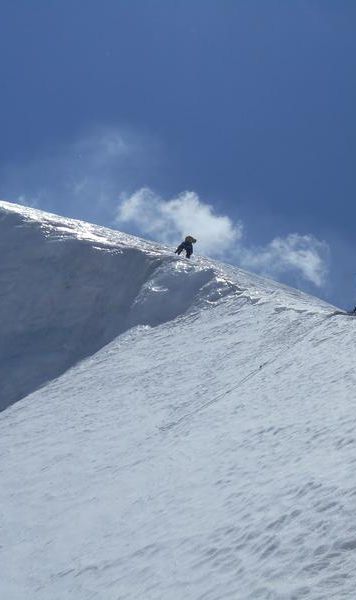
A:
192,435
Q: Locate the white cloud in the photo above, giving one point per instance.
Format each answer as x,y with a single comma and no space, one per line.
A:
303,255
171,220
299,256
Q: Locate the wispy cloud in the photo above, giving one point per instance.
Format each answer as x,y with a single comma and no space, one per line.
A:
82,178
303,257
28,201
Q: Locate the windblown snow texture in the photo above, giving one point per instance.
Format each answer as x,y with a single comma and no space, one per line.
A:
205,448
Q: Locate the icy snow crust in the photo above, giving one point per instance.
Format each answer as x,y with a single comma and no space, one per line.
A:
206,452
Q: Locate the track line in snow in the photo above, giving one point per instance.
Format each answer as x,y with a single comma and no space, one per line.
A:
285,348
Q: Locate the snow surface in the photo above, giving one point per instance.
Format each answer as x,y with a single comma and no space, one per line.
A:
201,446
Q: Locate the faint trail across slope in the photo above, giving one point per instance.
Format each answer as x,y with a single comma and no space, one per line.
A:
254,372
310,331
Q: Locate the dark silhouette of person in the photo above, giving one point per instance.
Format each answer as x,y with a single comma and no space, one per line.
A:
187,245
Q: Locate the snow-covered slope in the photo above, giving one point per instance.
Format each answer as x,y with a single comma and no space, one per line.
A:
67,288
204,449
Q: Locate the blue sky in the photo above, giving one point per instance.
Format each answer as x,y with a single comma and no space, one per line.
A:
232,120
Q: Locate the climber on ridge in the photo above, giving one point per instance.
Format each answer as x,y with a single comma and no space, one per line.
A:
187,245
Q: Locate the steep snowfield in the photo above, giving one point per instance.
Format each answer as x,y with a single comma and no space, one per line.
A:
205,448
67,288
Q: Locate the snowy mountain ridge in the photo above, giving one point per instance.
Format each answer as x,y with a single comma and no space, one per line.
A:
69,287
196,437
